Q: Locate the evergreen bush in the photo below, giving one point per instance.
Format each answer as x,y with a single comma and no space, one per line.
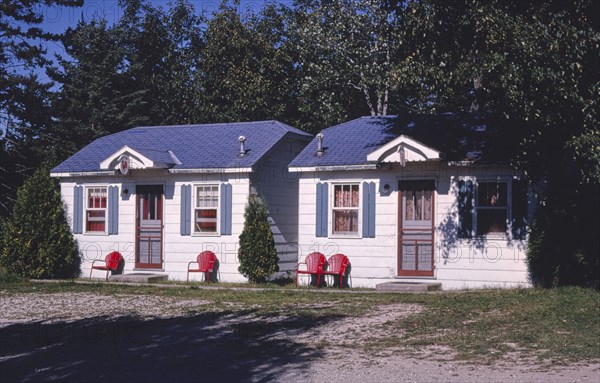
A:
257,254
36,241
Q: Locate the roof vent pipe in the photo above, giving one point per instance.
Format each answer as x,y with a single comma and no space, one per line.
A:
320,148
242,141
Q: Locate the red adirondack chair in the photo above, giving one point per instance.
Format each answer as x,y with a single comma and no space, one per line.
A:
206,261
337,265
314,262
111,263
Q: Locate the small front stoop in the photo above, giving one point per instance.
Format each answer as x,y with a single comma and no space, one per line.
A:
139,277
409,287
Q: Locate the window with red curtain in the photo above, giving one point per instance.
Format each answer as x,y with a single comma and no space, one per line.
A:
492,207
206,209
95,216
345,208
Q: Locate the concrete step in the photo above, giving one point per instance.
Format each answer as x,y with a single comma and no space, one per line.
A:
408,286
139,277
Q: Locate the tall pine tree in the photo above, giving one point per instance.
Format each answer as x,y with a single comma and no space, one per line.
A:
25,111
97,96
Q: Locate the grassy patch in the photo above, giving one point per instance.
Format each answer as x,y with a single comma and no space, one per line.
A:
559,325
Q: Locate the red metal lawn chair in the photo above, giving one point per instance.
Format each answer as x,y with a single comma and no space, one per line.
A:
338,265
315,262
111,263
206,261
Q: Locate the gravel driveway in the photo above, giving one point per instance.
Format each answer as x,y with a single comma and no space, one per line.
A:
130,338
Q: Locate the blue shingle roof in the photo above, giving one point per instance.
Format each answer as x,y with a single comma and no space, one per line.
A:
195,146
347,143
458,136
156,155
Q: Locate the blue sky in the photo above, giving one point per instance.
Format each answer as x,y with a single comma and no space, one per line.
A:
58,19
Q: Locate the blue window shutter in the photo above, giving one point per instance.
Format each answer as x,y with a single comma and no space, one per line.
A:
78,210
188,210
368,216
372,226
226,209
113,210
466,194
186,201
372,217
365,212
519,209
322,209
318,211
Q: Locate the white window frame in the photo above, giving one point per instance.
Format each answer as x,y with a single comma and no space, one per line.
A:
476,182
89,189
507,207
196,208
332,209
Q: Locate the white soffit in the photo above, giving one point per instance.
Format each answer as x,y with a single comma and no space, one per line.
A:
413,151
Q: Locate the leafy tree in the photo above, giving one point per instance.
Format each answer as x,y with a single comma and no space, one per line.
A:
36,239
355,58
257,254
527,61
533,62
244,71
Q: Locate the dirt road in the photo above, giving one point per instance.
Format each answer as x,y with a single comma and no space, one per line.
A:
86,337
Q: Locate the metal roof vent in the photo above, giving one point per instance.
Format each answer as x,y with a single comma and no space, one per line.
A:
320,148
243,150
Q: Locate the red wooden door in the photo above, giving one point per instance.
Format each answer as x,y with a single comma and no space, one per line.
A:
415,228
149,225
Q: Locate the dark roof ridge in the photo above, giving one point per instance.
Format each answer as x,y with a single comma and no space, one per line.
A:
202,124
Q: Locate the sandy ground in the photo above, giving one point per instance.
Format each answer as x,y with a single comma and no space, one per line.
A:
86,337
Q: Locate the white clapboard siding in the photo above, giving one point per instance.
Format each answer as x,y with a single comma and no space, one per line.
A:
494,261
178,250
280,190
271,179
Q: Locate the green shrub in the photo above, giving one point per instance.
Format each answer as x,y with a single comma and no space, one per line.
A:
563,247
257,254
36,239
6,277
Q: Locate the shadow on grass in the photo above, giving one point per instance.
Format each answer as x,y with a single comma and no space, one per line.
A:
205,347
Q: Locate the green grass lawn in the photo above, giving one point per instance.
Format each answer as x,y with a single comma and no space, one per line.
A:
558,325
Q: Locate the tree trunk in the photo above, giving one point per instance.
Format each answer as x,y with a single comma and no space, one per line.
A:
478,93
368,99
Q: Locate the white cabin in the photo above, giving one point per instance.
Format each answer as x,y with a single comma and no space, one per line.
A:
161,195
432,209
